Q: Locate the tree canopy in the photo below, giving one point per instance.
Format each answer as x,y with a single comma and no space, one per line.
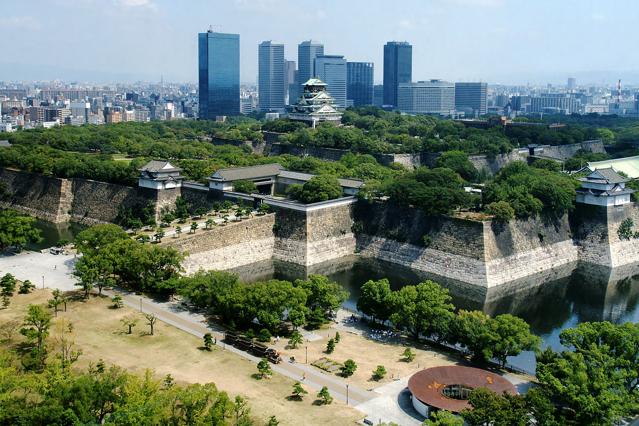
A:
17,230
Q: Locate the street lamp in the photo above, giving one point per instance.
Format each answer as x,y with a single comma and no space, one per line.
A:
306,362
43,282
140,304
346,393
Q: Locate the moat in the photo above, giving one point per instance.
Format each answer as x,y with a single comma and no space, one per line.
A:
550,302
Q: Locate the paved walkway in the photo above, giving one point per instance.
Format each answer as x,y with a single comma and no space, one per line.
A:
174,314
42,269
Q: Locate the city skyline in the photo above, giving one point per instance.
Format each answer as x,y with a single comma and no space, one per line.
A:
460,40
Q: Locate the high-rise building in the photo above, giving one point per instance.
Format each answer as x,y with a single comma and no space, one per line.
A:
378,95
471,98
572,83
427,97
360,83
272,77
554,103
331,69
307,51
291,82
398,68
219,74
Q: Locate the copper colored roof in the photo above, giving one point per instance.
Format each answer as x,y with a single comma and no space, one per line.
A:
427,385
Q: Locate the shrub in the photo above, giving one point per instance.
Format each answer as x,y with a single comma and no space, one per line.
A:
245,186
501,211
319,188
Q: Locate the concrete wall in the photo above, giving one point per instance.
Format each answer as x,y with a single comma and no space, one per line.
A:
564,152
227,247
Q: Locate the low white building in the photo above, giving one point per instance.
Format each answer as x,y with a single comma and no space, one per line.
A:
160,175
604,187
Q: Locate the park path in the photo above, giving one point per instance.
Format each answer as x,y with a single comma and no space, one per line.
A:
193,323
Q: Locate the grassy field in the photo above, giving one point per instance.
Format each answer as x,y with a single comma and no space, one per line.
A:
100,335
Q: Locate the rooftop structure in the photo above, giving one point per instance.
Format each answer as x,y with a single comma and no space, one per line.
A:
315,105
604,187
159,174
627,165
447,388
270,178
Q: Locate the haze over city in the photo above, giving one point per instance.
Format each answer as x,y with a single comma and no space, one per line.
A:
497,41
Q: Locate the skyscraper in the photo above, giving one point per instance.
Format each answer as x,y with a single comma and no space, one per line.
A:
471,98
272,77
219,74
291,82
331,69
360,83
307,51
398,68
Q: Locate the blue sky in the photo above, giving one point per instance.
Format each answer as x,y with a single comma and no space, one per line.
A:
499,41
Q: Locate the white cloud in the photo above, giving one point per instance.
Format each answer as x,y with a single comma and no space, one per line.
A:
20,23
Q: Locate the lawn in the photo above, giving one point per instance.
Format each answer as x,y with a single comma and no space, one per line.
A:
100,335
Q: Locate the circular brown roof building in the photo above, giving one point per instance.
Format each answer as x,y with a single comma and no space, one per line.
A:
448,387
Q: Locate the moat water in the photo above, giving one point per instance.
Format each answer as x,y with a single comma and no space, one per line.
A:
52,233
549,302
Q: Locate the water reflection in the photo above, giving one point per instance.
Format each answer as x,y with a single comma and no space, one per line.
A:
52,233
550,301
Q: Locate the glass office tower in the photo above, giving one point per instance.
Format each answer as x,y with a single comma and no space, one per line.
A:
219,74
272,78
471,98
398,68
307,51
360,83
331,69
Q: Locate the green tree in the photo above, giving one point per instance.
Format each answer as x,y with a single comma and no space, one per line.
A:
325,396
322,294
298,391
117,301
597,378
423,309
208,341
472,330
458,161
129,322
295,340
264,335
264,369
379,373
193,227
337,337
7,285
244,186
35,328
513,337
375,299
443,418
92,240
348,368
318,188
17,230
493,409
408,355
330,346
26,287
56,301
178,231
501,211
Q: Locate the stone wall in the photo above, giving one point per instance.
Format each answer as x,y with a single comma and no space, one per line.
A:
315,236
480,253
493,164
34,194
598,238
564,152
99,202
227,247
